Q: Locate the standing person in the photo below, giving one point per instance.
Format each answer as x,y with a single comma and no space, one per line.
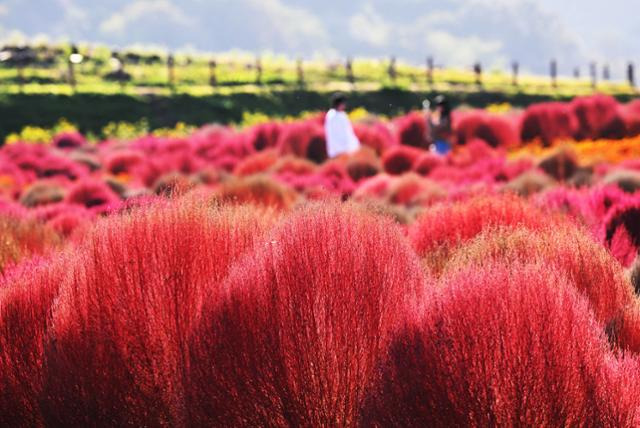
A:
440,125
338,130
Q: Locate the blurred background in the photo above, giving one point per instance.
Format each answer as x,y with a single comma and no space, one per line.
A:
193,61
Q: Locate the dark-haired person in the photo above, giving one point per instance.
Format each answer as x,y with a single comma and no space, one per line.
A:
338,130
440,128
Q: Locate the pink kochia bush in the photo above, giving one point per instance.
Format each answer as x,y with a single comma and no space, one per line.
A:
400,159
504,346
303,323
118,345
26,297
445,226
548,122
93,194
564,247
621,231
495,130
412,130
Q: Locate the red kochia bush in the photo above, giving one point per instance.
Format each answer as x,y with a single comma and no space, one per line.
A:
376,136
621,231
118,347
548,122
595,115
427,162
497,131
124,161
444,227
400,159
93,194
256,163
26,295
305,140
503,346
412,130
264,135
69,140
564,247
305,320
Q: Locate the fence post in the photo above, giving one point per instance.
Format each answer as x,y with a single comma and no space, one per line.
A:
593,71
120,73
391,71
349,69
477,70
74,58
258,70
515,68
300,71
213,79
171,73
631,75
430,70
553,71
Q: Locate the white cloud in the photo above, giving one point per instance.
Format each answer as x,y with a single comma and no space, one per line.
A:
148,10
450,49
295,27
369,27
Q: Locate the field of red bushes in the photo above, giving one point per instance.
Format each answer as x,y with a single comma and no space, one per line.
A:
236,277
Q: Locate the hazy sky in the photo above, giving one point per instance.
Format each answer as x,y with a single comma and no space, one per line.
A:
455,32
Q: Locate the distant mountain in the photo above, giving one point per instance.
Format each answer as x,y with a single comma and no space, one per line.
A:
455,32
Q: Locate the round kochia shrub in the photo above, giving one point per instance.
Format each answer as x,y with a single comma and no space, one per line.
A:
444,227
304,322
412,130
621,231
400,159
93,194
24,238
27,293
117,351
563,247
503,346
548,122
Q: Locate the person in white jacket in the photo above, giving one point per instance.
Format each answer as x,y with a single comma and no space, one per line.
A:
338,130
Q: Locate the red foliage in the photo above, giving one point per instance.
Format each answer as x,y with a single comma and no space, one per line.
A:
597,117
503,346
306,318
621,231
305,140
118,348
374,187
69,140
376,136
443,227
548,122
427,162
412,130
563,247
411,189
259,190
26,296
265,135
497,131
93,194
256,163
631,115
400,159
124,162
